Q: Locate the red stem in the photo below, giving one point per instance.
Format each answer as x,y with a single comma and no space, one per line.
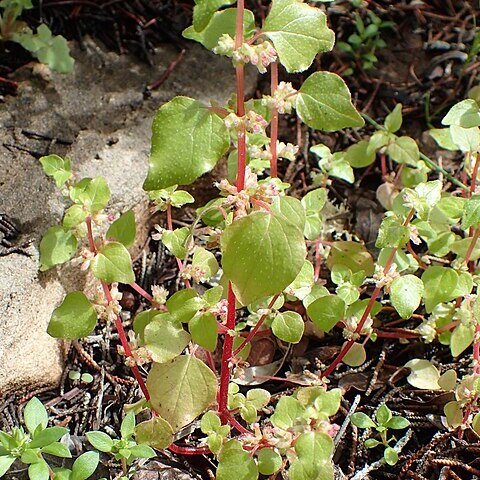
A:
188,450
255,329
91,241
396,334
222,398
235,424
142,292
367,311
274,123
240,76
126,347
170,227
118,322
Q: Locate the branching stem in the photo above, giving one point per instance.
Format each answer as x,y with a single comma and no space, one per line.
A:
370,305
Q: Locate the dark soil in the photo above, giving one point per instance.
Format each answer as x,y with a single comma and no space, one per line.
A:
427,66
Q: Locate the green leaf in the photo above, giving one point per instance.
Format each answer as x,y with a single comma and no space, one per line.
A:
6,462
404,150
74,215
155,432
392,233
58,450
465,114
429,194
123,229
165,338
234,463
288,326
393,120
205,263
204,10
49,49
184,130
58,246
466,139
423,375
184,304
444,139
287,413
471,212
210,422
31,455
175,240
142,451
142,320
448,380
303,283
390,456
326,312
180,198
351,254
406,294
258,397
378,140
356,356
60,169
371,443
461,339
113,264
127,428
91,192
362,420
304,470
298,32
397,423
314,447
35,415
383,415
440,284
221,23
181,389
204,331
342,169
84,466
360,155
100,440
454,414
324,103
269,461
47,436
263,253
74,318
38,471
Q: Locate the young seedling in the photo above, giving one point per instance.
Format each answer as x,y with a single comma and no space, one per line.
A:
29,447
362,45
49,49
125,448
384,420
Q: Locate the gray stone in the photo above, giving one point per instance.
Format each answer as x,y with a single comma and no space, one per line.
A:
100,117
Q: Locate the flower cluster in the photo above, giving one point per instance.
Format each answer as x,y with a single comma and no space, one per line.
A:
384,279
260,55
253,122
283,100
106,310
